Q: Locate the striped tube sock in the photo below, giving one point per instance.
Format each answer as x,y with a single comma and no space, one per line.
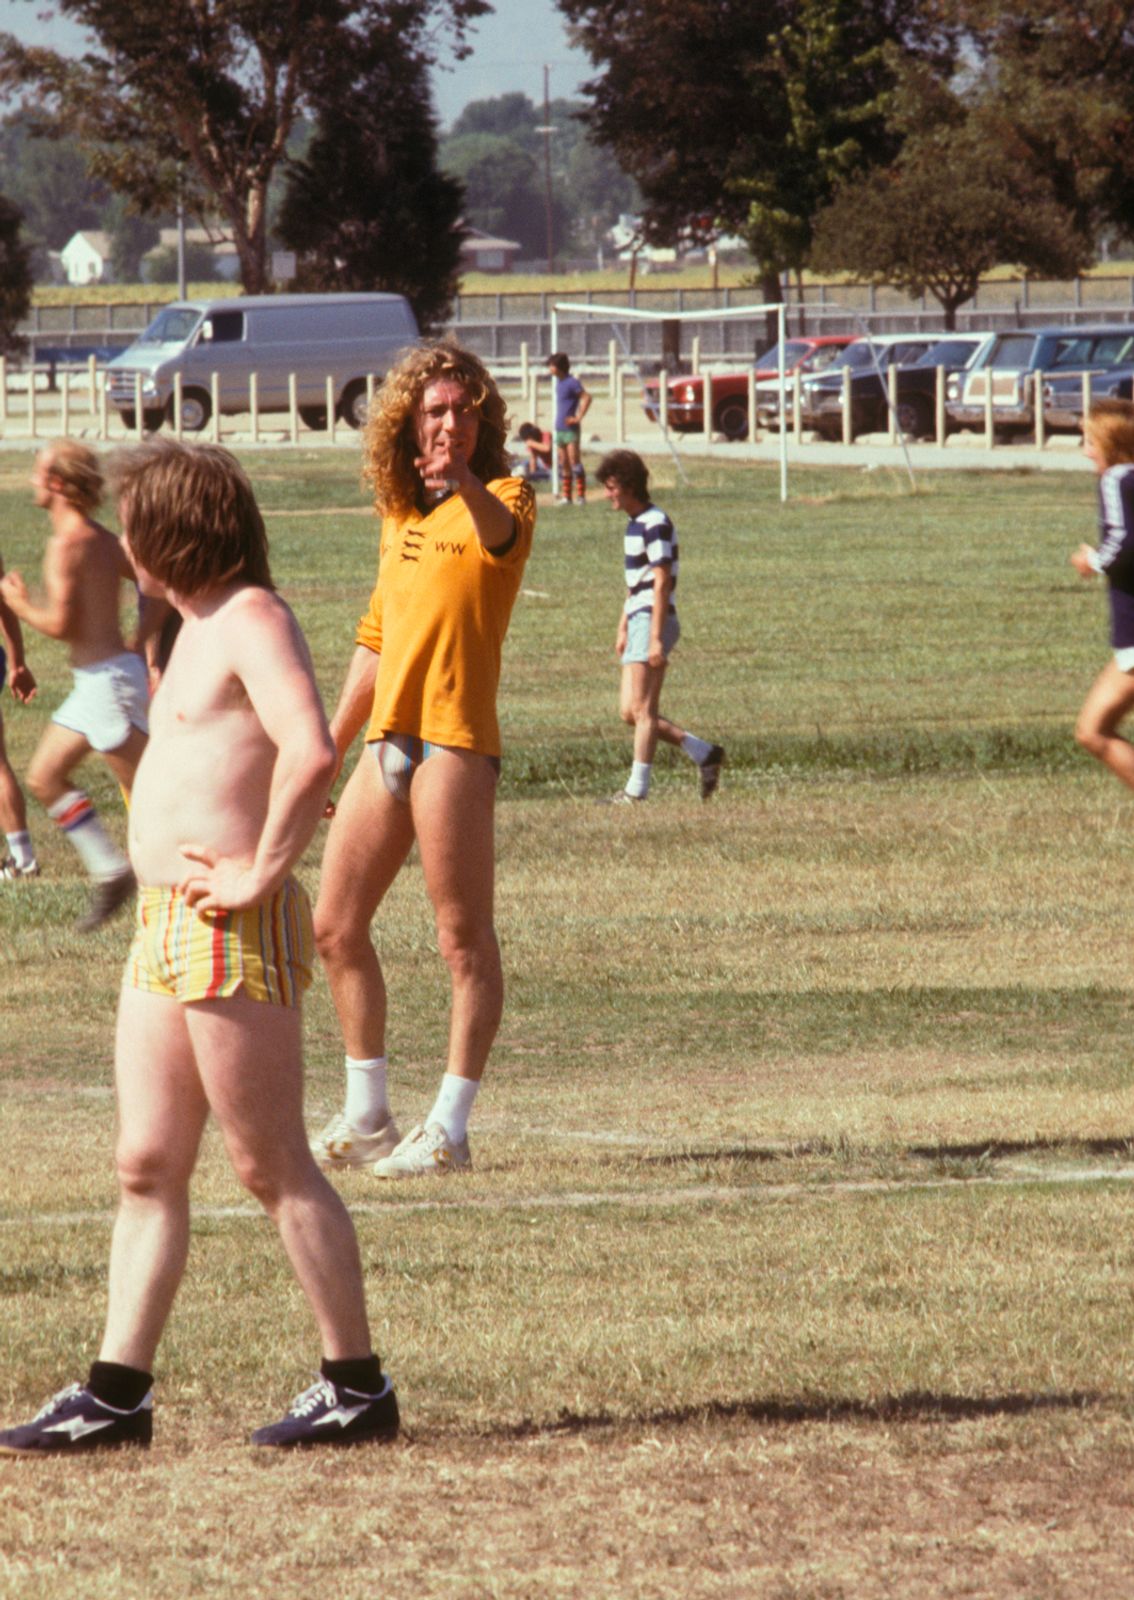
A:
79,821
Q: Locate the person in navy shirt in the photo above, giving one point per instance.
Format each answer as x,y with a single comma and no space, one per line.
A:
572,402
1108,442
648,628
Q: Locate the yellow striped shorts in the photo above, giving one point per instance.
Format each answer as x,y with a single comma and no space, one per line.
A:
266,951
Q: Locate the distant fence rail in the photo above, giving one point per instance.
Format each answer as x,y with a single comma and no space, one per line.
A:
49,400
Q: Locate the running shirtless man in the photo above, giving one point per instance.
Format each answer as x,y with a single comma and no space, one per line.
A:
84,567
228,794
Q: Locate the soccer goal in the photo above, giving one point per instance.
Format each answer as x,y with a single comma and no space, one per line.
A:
618,316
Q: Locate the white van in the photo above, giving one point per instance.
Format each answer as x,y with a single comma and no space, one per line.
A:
345,337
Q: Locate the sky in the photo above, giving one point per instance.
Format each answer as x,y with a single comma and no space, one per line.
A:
511,49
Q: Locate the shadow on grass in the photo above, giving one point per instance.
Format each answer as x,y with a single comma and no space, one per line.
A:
918,1406
983,1150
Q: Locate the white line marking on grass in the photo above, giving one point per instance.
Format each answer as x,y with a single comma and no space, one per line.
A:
691,1194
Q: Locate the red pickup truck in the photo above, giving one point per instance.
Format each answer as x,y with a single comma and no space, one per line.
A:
729,390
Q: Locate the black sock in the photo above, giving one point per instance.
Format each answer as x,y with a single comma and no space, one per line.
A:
124,1388
363,1376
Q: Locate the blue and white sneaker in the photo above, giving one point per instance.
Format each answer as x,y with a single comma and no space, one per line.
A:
329,1413
74,1420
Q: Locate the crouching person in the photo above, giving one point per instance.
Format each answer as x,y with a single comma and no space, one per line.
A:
226,797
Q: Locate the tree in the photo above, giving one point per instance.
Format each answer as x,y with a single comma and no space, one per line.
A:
131,237
48,180
953,206
366,207
15,278
214,85
497,149
1061,75
745,114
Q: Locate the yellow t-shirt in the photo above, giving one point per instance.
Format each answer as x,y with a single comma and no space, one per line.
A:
438,616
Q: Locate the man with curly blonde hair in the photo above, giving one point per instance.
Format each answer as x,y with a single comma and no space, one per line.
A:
456,533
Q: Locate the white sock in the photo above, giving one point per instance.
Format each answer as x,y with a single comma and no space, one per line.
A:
79,821
453,1104
638,783
696,749
21,847
366,1107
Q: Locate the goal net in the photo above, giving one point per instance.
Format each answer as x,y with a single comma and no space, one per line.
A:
564,312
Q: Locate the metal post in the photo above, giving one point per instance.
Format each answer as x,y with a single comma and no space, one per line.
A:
1040,420
554,449
781,337
848,420
989,430
92,382
892,404
751,404
939,421
695,355
612,363
103,418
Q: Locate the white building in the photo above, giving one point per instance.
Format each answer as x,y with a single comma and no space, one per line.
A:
86,256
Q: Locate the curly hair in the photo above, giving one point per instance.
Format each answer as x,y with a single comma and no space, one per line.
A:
389,444
1110,425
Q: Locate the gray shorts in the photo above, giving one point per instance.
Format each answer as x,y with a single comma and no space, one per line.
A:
109,698
638,637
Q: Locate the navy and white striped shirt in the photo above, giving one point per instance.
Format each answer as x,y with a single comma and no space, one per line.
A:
1116,549
650,541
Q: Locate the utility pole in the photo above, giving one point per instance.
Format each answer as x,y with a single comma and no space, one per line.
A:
180,233
547,130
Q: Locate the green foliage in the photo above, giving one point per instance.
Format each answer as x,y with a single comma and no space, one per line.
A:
49,181
495,147
744,116
15,278
207,91
365,206
958,201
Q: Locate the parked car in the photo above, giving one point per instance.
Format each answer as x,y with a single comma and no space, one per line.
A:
917,384
1007,369
685,405
1063,396
344,337
822,400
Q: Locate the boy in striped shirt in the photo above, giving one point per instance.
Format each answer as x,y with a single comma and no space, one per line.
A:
648,627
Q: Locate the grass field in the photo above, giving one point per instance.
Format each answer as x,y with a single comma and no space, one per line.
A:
796,1262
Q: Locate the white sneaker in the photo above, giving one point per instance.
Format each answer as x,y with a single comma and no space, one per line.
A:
11,871
423,1151
340,1144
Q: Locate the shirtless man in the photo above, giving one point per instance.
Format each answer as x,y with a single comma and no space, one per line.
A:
83,569
228,794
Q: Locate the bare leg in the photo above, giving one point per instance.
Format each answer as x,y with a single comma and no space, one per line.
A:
57,755
368,841
161,1113
1110,698
452,798
13,810
123,762
641,692
250,1060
